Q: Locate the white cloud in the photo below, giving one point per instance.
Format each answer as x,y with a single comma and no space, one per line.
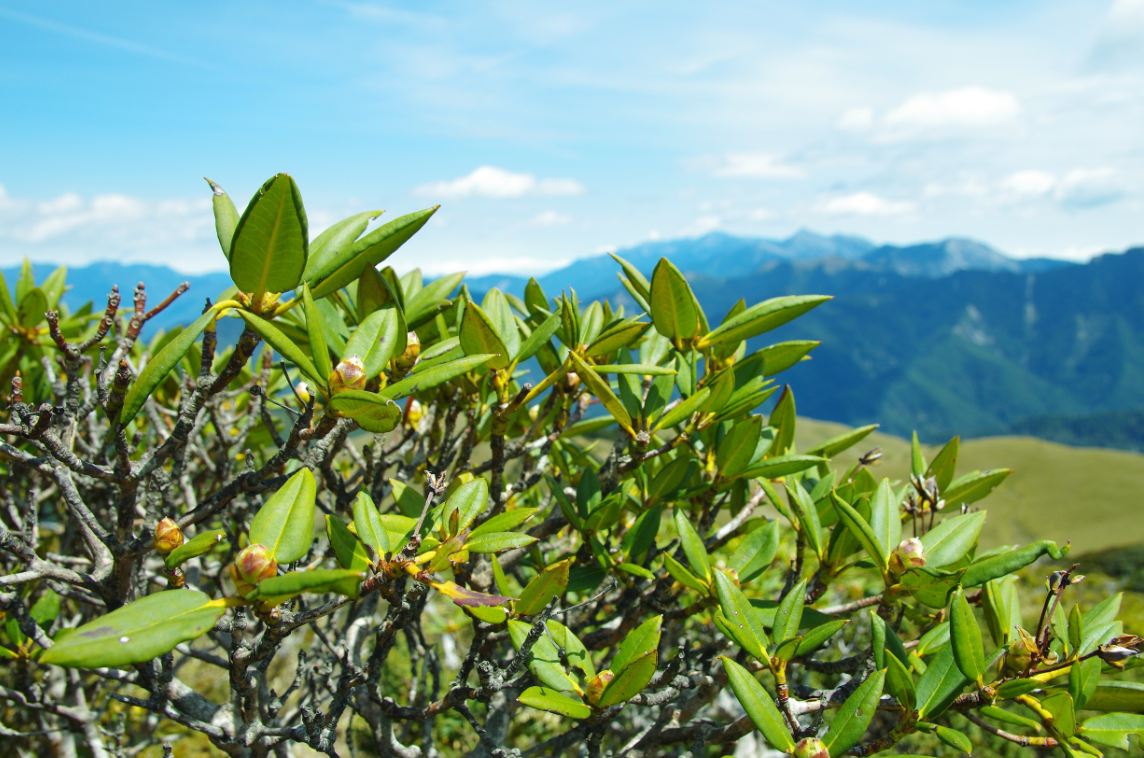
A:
551,218
1076,189
761,214
965,107
1121,36
703,225
863,204
1028,183
491,181
756,166
856,120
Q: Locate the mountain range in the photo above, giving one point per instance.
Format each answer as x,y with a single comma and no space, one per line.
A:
944,337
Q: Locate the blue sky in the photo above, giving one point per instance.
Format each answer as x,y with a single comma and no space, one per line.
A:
552,131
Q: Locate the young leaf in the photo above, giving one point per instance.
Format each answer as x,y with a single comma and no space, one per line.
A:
854,715
139,631
372,411
348,549
495,542
285,522
917,458
739,614
268,251
428,378
759,705
201,543
965,634
160,365
367,522
885,518
542,588
952,539
346,265
285,347
788,615
378,338
225,216
315,330
861,530
335,239
761,317
629,682
285,586
599,387
639,642
479,337
942,466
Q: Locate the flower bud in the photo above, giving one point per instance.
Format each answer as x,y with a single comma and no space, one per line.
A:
406,360
810,747
251,566
598,684
1019,653
168,536
909,554
571,381
349,374
303,392
415,413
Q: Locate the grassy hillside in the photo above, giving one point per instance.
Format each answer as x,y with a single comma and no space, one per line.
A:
1089,496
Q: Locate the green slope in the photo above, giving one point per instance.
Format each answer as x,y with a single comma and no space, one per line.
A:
1089,496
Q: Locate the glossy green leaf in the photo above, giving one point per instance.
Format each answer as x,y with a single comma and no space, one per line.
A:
674,310
200,544
1113,729
316,331
1084,678
599,387
346,264
762,317
225,216
479,337
692,545
372,411
682,410
554,701
542,588
629,682
639,642
137,632
742,624
944,463
1008,561
965,635
940,684
783,419
854,715
971,487
468,500
538,338
495,542
886,518
788,615
842,442
681,574
350,551
759,705
336,239
268,251
367,523
952,539
285,522
504,522
756,551
377,339
955,739
783,355
782,465
160,365
1117,696
861,530
427,379
284,346
900,683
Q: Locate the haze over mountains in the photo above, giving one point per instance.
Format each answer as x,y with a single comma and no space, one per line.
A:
946,337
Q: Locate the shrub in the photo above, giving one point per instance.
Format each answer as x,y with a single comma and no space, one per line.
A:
542,526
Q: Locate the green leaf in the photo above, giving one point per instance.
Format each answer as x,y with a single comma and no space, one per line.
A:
285,347
377,339
674,310
469,500
137,632
367,523
268,251
759,705
495,542
550,700
346,265
682,575
1084,677
886,518
1117,696
755,553
742,624
860,529
639,642
635,276
284,586
971,487
782,355
285,522
762,317
1006,562
629,682
940,684
784,419
955,739
348,549
620,334
504,522
807,512
372,411
200,544
335,239
783,465
543,587
544,658
537,339
737,448
899,683
1060,704
33,306
315,330
965,635
599,387
479,337
1113,729
692,545
952,539
842,442
160,365
788,615
225,216
942,466
854,715
682,410
431,377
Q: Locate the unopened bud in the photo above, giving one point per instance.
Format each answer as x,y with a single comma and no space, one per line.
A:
412,350
598,684
533,412
1019,653
168,536
252,565
303,392
1058,580
810,747
415,413
349,374
909,554
571,381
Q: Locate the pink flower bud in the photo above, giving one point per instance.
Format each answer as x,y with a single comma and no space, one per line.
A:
252,565
168,536
349,374
810,747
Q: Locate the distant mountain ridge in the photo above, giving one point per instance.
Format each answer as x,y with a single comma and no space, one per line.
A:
946,337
